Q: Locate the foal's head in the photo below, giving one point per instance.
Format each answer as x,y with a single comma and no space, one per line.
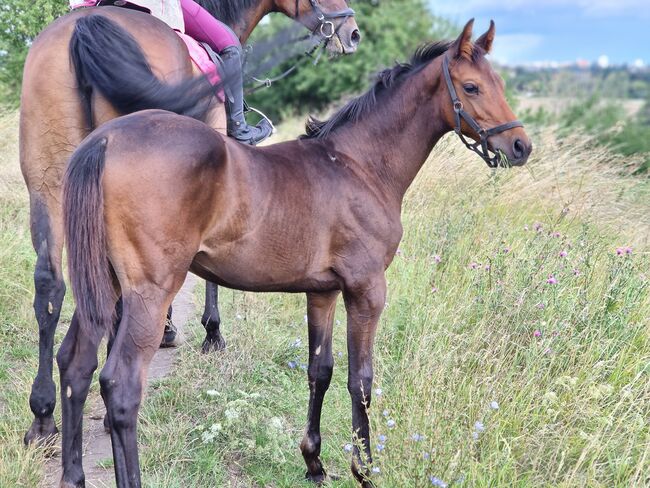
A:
480,107
331,20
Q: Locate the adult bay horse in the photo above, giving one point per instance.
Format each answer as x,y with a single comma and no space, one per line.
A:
319,215
88,67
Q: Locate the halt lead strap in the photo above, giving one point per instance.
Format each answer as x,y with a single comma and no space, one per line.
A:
480,147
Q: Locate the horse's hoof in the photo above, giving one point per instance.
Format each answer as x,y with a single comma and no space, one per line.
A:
42,433
319,478
169,336
213,344
68,484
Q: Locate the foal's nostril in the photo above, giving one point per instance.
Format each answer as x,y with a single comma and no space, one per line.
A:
518,149
355,37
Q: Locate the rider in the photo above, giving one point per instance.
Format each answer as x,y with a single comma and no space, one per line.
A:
203,27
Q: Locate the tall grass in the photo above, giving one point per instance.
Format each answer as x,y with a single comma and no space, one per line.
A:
513,351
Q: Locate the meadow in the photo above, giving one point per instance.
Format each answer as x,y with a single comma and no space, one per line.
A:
514,349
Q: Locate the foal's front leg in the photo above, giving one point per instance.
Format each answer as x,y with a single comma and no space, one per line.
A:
364,304
320,317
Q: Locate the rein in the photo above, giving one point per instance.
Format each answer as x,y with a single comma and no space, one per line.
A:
480,147
327,31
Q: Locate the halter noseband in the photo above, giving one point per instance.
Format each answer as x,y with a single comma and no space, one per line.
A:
480,147
326,26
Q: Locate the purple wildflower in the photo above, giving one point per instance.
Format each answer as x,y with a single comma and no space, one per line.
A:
563,254
576,272
347,448
376,470
541,306
382,438
292,364
390,423
437,482
473,265
537,226
380,447
552,280
437,258
537,333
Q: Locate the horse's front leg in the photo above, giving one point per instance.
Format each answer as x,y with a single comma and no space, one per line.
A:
320,317
211,320
364,303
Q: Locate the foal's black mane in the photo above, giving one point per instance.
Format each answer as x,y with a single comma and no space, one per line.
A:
227,11
359,107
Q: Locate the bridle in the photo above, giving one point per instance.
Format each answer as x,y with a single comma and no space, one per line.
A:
480,147
327,31
326,26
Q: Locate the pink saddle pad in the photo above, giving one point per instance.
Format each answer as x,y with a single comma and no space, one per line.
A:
201,59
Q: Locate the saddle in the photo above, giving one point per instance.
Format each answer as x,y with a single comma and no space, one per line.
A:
202,55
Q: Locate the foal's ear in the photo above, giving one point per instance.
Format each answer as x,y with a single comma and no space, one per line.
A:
486,40
463,45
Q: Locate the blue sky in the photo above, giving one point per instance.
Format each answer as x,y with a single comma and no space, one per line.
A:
559,30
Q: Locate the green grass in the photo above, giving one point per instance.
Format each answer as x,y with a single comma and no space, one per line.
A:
567,363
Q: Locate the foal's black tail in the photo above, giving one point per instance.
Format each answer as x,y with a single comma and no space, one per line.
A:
108,59
85,237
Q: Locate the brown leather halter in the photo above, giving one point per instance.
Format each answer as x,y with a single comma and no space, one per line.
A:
480,147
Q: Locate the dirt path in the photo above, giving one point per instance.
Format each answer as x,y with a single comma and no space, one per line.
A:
97,444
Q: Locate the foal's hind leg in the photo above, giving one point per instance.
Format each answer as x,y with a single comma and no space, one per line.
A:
48,298
211,320
123,378
77,360
320,317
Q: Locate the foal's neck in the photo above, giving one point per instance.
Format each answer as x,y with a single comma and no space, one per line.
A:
394,141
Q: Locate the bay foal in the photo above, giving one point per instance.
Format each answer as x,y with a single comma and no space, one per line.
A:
88,67
149,196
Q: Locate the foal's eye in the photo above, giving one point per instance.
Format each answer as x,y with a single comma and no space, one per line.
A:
471,88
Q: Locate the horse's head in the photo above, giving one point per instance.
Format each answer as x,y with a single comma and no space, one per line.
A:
331,20
478,108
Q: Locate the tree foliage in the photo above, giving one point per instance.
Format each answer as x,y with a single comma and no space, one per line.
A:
20,23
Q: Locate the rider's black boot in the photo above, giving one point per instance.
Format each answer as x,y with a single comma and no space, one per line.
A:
237,126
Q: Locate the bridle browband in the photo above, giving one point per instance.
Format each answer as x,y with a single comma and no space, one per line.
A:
480,147
326,26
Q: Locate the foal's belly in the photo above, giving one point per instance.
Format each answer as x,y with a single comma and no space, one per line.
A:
263,273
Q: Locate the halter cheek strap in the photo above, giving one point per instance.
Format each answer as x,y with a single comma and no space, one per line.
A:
481,146
326,26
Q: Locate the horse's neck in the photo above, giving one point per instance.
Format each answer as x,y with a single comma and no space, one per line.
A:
250,18
394,142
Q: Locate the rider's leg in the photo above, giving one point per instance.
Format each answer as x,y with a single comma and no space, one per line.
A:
202,26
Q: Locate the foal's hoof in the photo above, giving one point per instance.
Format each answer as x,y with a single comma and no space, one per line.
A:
107,424
42,433
320,478
211,344
169,337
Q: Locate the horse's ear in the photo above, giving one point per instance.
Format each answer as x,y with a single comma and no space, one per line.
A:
463,45
486,40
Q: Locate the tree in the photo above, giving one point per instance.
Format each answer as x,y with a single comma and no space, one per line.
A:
20,23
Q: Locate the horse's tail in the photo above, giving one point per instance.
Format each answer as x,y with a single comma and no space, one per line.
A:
108,59
85,236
